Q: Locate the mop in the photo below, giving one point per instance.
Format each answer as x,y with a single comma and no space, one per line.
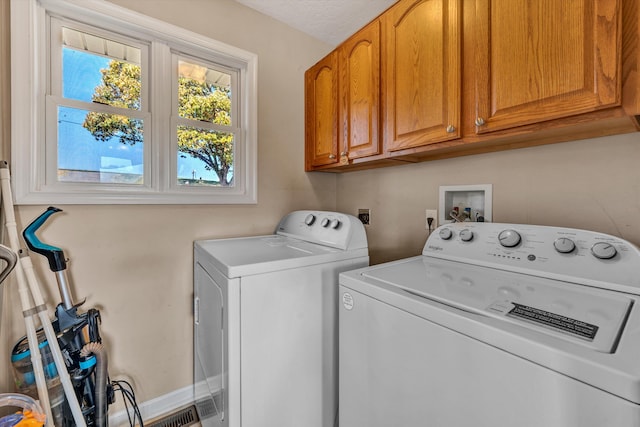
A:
28,287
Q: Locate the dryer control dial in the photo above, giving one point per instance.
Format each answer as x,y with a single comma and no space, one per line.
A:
325,222
335,223
445,233
509,238
603,250
564,245
466,235
310,219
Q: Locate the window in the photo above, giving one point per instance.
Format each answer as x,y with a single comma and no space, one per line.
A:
112,107
205,123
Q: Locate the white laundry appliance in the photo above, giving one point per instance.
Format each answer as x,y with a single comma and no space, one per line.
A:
265,314
494,325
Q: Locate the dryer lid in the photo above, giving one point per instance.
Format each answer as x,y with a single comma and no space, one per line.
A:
243,256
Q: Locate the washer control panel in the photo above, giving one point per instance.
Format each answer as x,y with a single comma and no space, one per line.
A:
333,229
562,253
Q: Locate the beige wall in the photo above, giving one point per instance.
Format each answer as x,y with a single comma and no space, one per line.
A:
135,262
592,184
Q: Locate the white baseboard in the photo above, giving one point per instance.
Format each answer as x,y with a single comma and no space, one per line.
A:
156,407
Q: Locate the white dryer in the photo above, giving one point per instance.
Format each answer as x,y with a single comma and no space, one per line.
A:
494,325
265,314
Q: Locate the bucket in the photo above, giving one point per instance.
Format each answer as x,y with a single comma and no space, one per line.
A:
32,414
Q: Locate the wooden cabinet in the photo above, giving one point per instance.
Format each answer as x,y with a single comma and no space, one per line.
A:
421,73
359,94
458,77
342,110
540,60
321,113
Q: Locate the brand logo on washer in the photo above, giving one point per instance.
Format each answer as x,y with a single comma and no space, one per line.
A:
347,300
435,248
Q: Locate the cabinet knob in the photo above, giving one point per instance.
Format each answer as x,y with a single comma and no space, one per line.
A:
451,129
479,121
332,156
344,153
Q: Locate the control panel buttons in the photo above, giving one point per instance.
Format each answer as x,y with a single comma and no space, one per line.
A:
603,250
335,223
564,245
310,219
509,238
445,233
466,235
325,222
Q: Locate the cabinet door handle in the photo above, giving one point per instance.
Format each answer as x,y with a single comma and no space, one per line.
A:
479,121
332,156
451,129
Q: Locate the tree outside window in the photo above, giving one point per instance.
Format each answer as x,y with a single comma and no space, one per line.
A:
200,100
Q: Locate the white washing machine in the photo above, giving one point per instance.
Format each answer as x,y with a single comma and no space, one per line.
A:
494,325
265,314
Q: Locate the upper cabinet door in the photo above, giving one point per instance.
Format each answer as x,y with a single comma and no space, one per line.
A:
539,60
360,93
321,112
421,73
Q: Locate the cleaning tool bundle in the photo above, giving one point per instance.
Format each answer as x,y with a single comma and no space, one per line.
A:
78,337
63,363
29,290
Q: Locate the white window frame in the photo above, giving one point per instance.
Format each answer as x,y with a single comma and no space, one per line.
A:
31,152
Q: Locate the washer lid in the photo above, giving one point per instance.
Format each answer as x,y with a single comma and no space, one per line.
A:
590,317
244,256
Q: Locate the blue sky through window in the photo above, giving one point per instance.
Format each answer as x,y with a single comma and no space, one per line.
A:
78,149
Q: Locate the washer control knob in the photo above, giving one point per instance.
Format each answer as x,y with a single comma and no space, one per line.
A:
335,223
466,235
603,250
325,222
509,238
564,245
445,233
310,219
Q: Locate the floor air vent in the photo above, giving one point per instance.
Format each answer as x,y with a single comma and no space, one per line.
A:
208,407
184,417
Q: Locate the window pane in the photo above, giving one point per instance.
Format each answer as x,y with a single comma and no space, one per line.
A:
98,147
205,158
204,94
95,69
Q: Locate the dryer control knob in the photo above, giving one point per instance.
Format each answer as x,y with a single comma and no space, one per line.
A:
445,233
310,219
564,245
466,235
325,222
335,223
603,250
509,238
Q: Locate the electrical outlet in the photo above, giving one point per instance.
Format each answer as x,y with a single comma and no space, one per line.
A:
431,213
364,215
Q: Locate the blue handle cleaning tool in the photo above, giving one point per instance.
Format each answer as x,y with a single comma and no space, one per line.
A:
75,331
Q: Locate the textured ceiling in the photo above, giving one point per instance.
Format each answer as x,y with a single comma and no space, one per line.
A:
331,21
